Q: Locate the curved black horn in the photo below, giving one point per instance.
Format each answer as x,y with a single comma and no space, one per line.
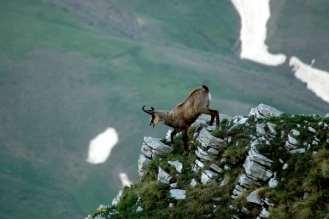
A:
150,111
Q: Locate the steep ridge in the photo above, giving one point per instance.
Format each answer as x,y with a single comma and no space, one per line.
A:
264,165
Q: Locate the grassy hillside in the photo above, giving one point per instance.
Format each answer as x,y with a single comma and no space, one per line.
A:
71,68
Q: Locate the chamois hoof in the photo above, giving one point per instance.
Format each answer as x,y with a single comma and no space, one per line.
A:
210,123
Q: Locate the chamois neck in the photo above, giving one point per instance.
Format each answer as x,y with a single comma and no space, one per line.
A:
165,117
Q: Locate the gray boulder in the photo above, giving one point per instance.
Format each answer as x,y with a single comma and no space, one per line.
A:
255,170
253,197
254,155
256,165
203,155
177,164
216,168
163,176
245,181
177,194
273,182
193,182
297,151
142,164
271,128
207,176
264,213
260,129
263,110
117,198
206,140
156,146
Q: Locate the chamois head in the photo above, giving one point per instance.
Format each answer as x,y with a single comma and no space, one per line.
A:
155,118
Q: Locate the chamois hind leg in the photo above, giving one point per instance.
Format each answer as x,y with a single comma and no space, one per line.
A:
214,115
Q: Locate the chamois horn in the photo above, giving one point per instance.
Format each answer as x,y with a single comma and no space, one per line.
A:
148,111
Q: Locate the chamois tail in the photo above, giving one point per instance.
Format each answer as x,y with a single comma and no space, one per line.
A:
205,87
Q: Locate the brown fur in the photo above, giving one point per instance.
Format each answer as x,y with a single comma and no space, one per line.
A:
184,114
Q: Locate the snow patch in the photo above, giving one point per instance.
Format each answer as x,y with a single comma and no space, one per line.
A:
254,15
101,146
316,80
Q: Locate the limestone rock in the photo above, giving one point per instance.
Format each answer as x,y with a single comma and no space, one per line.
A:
163,176
255,170
285,166
297,151
142,164
216,168
292,140
295,132
139,209
117,198
193,182
225,181
237,191
202,121
254,155
207,176
173,185
208,140
213,151
273,182
260,129
263,110
203,155
177,164
158,148
271,128
147,151
253,197
264,213
199,163
245,181
239,120
311,129
177,194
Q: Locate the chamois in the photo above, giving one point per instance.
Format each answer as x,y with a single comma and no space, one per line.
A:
184,114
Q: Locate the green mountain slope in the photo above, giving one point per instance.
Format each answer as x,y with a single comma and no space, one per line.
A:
69,69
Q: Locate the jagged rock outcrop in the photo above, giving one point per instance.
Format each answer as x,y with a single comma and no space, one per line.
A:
151,148
243,169
263,110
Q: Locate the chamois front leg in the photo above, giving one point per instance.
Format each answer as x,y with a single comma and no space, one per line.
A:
185,139
172,135
214,115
